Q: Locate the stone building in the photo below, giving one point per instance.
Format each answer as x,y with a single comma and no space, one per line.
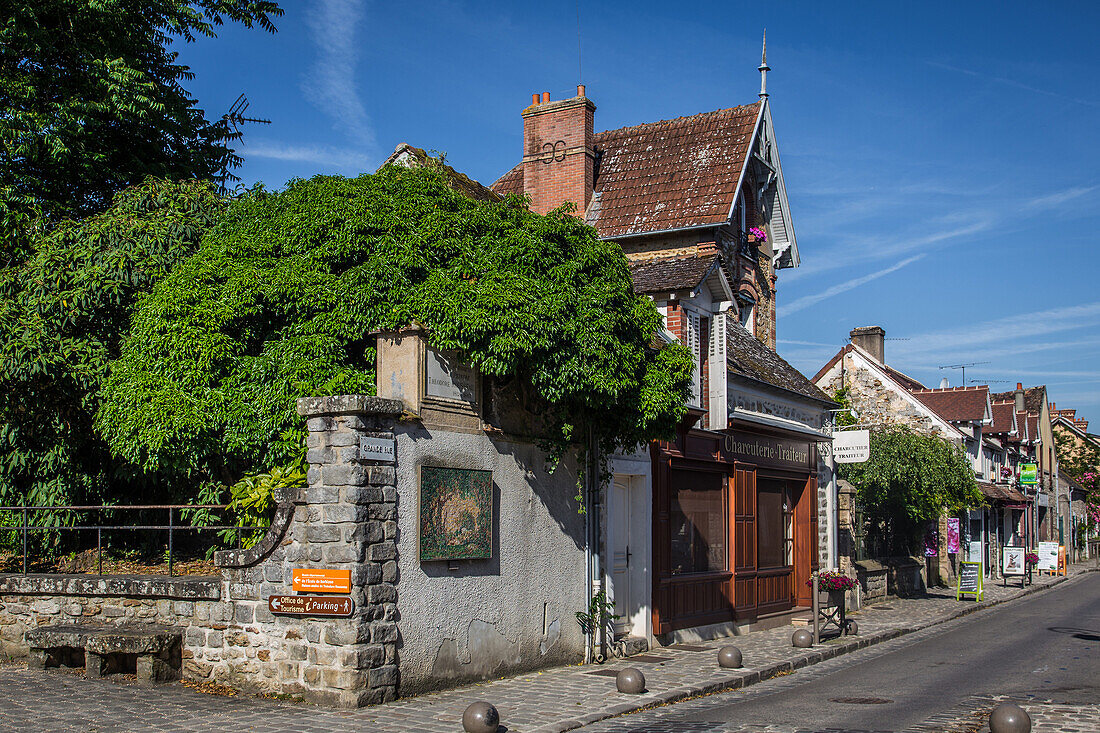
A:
719,529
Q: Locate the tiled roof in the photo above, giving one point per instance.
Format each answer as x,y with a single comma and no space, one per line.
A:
1034,397
749,358
669,274
664,175
902,379
1023,425
1001,493
1003,413
955,404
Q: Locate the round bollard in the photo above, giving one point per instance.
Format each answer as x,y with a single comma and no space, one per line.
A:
631,681
729,657
1009,718
480,717
802,639
852,629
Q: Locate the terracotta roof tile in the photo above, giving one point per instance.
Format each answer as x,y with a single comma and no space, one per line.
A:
1033,398
664,175
955,404
1003,413
749,358
669,274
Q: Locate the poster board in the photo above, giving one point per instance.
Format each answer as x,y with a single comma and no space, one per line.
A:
1048,557
456,514
1012,561
1062,559
970,581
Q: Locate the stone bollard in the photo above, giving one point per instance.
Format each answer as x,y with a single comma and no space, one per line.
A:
802,639
852,629
480,717
1009,718
729,657
631,681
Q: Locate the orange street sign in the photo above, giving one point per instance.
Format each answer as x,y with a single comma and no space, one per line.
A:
322,580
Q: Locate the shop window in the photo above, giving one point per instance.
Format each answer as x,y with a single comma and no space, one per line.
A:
773,524
697,515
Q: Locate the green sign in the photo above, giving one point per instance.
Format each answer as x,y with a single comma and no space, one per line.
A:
1029,474
970,581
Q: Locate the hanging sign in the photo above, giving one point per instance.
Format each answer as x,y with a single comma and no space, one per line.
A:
1012,561
970,581
1029,474
311,605
851,446
321,580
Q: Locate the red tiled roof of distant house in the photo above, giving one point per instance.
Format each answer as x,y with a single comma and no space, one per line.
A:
955,404
1002,419
672,174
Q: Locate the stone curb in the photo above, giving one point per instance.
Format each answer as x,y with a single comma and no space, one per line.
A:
755,676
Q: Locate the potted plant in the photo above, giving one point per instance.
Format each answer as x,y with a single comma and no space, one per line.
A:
831,587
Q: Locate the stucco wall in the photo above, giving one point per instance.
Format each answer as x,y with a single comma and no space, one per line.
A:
475,619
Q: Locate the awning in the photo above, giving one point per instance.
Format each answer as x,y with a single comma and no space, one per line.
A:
739,414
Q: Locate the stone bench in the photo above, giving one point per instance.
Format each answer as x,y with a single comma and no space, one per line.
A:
153,651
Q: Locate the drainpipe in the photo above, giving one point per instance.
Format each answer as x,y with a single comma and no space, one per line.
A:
593,513
588,638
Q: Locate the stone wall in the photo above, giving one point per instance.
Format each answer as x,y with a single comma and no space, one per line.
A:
346,519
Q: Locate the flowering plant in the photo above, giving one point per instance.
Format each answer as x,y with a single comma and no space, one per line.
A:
1031,558
1005,471
832,581
759,233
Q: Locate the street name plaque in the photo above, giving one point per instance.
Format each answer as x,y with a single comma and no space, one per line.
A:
311,605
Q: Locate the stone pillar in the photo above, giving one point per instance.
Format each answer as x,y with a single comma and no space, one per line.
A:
351,521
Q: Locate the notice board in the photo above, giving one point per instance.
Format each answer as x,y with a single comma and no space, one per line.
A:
970,581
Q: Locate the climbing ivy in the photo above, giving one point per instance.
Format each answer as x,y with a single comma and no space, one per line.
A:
284,294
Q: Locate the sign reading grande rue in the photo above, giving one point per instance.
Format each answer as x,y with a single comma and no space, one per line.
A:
764,450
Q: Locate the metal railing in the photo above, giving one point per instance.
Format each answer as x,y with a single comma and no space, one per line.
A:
173,527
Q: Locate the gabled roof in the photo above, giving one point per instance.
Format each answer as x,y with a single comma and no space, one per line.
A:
957,404
1034,398
901,378
673,174
747,357
407,156
670,274
1024,427
1004,420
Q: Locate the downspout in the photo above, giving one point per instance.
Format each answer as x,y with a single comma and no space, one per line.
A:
597,579
588,638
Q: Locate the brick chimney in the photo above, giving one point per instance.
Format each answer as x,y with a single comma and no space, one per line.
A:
871,339
1019,397
558,157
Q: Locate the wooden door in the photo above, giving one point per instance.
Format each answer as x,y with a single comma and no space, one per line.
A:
744,543
805,538
619,525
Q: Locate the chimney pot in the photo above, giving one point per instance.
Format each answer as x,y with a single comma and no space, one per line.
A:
1019,385
535,98
580,90
545,97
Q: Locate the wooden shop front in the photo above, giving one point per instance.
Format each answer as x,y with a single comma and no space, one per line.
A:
734,526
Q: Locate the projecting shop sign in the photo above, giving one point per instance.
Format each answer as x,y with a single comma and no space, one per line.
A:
852,446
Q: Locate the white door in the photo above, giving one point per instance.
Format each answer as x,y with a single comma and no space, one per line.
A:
628,544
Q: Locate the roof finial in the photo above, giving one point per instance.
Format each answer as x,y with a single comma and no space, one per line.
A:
764,68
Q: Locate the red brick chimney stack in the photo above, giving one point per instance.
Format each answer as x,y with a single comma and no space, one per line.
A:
558,157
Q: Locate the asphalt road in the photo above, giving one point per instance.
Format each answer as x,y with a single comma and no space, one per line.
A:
1046,644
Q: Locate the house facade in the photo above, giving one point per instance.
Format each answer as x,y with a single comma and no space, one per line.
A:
719,528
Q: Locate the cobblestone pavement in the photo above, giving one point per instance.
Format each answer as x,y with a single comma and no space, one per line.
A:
553,700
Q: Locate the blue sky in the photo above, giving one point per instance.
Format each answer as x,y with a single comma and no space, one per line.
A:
941,159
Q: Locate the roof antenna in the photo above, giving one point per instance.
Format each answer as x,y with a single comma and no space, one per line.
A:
764,68
580,70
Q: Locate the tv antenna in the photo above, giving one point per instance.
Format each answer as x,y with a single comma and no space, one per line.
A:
235,116
963,367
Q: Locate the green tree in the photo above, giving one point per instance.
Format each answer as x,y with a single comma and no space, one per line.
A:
91,101
909,480
284,294
62,317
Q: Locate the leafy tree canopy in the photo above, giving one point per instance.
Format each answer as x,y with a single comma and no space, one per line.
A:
911,478
91,102
62,316
283,296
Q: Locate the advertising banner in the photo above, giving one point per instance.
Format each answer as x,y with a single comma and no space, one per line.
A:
952,534
1029,474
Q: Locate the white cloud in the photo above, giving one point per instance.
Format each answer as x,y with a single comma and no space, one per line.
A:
1058,198
351,160
807,300
330,85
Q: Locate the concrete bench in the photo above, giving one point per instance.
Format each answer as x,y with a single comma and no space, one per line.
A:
154,652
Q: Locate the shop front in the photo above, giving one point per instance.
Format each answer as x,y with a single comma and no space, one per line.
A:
735,533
